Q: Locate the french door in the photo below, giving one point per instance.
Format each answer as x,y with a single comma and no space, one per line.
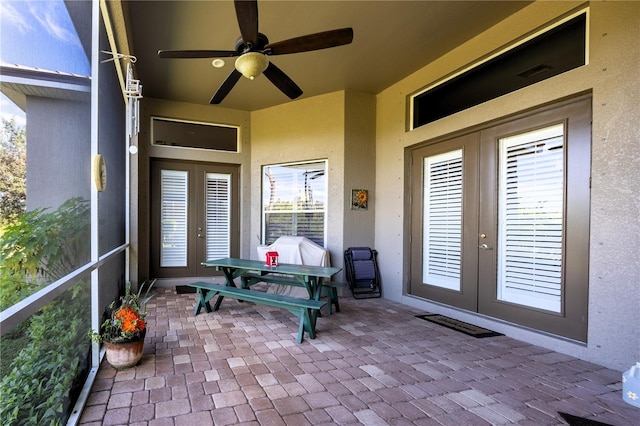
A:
194,217
500,220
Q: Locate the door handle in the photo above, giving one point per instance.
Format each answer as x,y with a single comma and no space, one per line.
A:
485,247
199,235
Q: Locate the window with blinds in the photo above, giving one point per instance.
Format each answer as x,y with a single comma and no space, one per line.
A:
218,215
530,224
173,216
442,234
294,201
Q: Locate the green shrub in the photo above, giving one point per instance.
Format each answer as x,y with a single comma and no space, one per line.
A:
12,343
40,387
42,380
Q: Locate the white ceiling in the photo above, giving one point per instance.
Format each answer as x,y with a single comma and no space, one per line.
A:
392,39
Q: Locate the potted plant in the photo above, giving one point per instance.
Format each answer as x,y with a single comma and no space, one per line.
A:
124,331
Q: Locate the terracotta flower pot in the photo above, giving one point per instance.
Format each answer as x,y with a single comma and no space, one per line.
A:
122,355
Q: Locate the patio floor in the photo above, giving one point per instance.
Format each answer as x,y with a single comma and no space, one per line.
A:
373,363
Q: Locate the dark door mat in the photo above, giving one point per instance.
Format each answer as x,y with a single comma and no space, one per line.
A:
460,326
580,421
184,289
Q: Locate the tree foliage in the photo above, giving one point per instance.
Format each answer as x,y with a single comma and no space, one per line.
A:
42,246
13,171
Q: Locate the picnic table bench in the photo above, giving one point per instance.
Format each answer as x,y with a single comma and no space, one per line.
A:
253,271
297,306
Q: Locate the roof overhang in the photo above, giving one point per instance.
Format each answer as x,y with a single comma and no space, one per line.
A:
18,82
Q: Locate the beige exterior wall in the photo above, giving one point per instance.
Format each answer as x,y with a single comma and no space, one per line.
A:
612,76
338,127
359,168
309,129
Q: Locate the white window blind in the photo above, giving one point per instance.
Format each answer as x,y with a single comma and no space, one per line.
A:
218,215
531,206
173,229
442,220
294,201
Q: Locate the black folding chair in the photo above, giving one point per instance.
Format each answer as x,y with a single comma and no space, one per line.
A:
363,275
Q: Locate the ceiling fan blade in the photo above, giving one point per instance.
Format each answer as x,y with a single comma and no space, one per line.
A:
188,54
225,87
316,41
247,14
282,81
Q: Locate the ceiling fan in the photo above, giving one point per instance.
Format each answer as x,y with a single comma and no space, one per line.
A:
253,47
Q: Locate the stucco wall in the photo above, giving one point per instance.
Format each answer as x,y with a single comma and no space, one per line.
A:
359,168
112,147
612,76
309,129
54,146
339,127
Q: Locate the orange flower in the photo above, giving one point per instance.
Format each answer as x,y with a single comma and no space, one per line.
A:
130,319
125,323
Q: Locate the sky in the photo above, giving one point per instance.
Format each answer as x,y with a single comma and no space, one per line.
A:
38,34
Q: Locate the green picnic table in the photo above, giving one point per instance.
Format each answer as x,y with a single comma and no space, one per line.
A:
252,271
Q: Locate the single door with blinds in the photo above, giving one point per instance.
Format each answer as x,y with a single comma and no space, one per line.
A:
500,220
194,217
444,202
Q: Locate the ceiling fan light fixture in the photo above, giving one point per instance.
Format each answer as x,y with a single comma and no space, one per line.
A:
252,64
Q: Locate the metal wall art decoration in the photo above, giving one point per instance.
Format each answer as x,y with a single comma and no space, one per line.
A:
359,199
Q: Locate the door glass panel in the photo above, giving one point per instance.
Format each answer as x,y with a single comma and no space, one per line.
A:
442,220
218,215
531,217
173,212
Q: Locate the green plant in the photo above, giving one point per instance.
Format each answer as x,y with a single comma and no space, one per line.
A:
45,358
13,171
45,376
42,246
126,322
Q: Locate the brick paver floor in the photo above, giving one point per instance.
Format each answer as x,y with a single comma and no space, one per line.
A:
373,363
